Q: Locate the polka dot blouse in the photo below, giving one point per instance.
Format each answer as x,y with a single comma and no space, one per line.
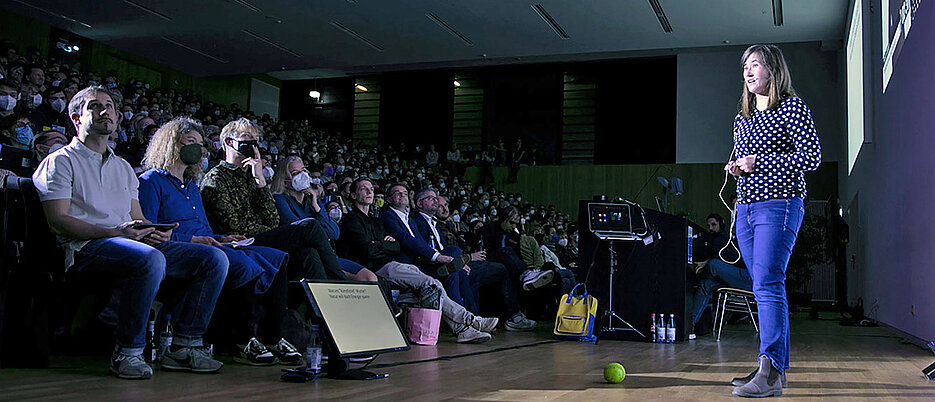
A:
786,146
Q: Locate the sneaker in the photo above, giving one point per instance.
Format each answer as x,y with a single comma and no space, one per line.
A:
471,335
488,324
534,278
129,367
255,353
286,353
691,337
196,359
520,323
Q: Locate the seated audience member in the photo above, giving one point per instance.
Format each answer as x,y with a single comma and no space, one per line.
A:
50,115
713,272
238,201
501,240
90,199
364,240
9,95
481,273
17,131
257,275
46,143
297,197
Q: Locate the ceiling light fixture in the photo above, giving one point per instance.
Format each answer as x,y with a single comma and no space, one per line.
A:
361,87
549,20
449,28
777,13
457,84
661,15
314,94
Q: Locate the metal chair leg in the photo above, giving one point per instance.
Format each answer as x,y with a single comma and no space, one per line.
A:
721,324
750,311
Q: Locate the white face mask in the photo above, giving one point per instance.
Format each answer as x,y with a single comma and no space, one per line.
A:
563,242
301,181
7,103
36,100
335,214
58,105
456,218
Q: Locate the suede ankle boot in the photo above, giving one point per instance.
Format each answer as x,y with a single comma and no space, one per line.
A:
766,382
740,381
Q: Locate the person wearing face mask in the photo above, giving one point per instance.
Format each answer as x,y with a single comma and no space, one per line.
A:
298,197
502,242
238,201
256,276
17,131
9,95
51,113
91,202
46,143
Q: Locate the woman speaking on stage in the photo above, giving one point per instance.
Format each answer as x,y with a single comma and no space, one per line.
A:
775,143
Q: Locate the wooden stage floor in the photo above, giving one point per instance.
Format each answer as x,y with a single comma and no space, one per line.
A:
829,362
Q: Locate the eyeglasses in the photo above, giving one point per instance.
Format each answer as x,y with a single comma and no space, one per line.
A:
395,193
429,197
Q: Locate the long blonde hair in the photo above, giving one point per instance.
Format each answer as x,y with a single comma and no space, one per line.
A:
163,149
780,80
278,183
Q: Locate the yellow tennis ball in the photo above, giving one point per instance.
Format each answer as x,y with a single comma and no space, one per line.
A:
614,373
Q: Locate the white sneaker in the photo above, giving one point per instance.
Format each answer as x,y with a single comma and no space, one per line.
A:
471,335
534,278
691,337
485,324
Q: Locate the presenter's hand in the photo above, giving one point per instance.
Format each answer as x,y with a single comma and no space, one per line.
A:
732,168
444,259
746,164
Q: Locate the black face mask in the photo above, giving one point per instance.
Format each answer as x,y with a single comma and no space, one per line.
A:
191,154
246,148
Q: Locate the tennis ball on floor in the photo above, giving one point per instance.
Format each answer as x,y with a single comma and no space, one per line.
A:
614,373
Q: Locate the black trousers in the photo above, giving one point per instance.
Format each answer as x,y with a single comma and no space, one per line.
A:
310,252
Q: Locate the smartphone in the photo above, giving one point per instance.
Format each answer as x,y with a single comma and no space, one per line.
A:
162,227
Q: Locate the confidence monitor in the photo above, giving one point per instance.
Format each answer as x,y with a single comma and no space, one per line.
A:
356,317
612,221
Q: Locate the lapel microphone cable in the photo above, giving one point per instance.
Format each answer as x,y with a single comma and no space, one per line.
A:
733,214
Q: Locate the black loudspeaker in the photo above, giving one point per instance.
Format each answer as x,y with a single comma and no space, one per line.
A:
649,279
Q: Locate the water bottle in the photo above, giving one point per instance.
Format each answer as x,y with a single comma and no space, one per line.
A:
149,349
313,352
661,329
670,329
690,244
165,337
652,328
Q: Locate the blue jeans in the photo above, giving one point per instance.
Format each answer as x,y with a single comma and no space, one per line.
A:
143,267
766,232
716,275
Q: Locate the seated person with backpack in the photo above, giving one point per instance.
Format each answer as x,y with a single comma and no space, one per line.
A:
90,199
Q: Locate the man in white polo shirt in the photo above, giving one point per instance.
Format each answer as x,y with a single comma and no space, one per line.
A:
90,199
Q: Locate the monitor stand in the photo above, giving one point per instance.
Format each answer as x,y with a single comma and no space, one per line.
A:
339,369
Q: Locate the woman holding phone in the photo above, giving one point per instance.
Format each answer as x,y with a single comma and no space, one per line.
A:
775,143
257,275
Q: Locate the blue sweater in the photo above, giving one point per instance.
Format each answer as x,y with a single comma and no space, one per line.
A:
165,199
290,211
